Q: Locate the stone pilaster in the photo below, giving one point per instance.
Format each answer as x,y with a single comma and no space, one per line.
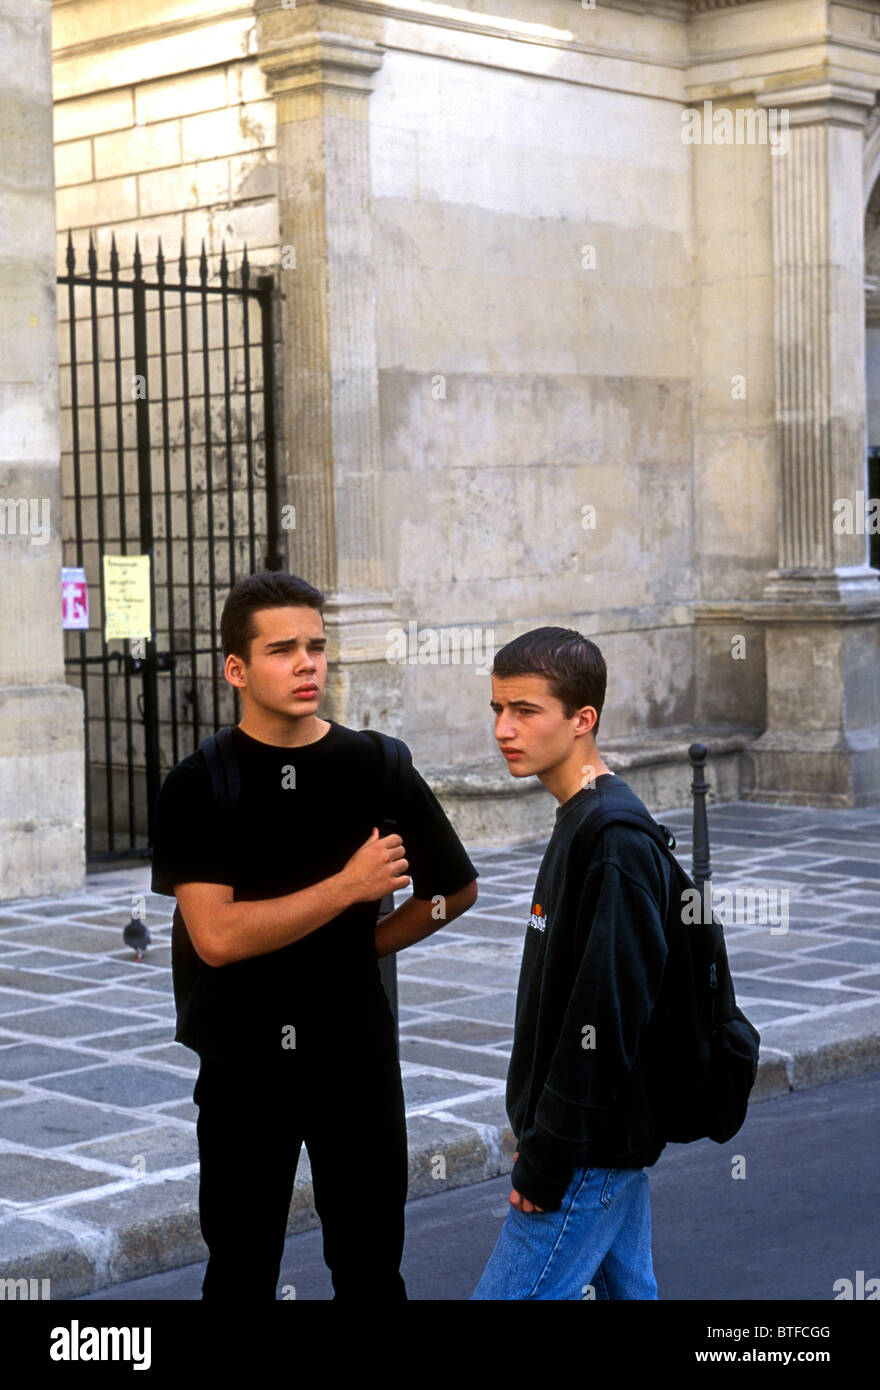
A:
822,614
819,322
42,831
321,83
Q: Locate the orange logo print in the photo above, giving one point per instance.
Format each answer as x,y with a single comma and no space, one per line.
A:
537,919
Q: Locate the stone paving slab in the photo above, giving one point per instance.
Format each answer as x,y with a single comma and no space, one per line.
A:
134,1086
98,1151
136,1037
41,1122
25,1179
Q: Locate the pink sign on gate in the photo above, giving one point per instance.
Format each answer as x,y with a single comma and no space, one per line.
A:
74,599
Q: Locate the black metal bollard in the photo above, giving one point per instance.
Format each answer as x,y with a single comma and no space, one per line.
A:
699,786
388,974
388,964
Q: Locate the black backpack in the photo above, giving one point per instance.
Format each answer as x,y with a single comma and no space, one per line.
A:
218,750
699,1053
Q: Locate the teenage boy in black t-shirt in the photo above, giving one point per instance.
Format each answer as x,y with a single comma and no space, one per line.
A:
280,993
579,1224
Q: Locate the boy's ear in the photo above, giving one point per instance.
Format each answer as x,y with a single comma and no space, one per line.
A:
588,733
234,671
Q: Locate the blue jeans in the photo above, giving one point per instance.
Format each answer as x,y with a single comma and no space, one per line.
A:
597,1245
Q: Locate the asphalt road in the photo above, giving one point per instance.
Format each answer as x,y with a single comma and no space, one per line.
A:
804,1215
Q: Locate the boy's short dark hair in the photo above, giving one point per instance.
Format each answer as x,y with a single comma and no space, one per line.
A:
572,664
270,589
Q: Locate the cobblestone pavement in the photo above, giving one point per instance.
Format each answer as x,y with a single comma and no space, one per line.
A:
98,1154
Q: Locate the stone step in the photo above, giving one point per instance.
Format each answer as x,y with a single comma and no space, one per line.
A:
489,807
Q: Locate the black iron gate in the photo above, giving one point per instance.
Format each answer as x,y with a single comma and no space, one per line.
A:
168,451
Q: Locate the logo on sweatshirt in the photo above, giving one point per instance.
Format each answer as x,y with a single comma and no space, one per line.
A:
537,919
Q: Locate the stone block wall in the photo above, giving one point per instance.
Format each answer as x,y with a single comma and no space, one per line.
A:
533,300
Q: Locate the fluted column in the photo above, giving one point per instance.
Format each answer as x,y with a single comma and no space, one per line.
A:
321,82
821,744
819,324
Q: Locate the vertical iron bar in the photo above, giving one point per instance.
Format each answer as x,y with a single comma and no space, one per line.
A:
145,505
124,671
77,498
99,491
274,559
248,417
169,539
209,479
230,492
190,519
227,385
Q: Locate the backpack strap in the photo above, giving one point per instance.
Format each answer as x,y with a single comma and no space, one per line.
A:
660,834
229,759
397,770
607,815
218,750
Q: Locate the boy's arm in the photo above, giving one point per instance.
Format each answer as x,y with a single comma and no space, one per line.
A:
223,930
417,918
436,856
613,994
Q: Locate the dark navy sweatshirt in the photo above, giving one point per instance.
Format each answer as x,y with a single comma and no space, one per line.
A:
592,967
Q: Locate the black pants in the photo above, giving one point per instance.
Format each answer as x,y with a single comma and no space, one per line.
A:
345,1100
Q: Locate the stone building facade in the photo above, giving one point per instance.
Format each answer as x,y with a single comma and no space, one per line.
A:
572,308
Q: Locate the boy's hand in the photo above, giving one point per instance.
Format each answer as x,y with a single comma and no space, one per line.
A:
518,1200
376,868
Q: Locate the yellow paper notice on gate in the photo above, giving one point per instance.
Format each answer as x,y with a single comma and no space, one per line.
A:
126,596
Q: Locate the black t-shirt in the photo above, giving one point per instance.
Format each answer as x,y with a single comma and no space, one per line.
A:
302,814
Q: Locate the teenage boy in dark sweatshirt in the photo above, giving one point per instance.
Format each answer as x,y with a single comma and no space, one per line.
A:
276,973
579,1222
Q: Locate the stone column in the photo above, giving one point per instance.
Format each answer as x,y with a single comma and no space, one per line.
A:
822,742
42,786
321,82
